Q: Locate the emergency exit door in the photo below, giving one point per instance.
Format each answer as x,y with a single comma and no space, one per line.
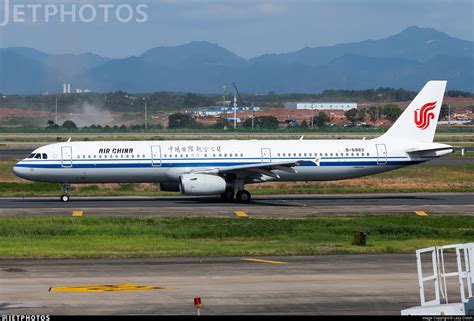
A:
381,154
266,155
156,155
66,156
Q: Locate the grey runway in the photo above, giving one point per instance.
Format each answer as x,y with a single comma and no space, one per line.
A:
274,205
334,284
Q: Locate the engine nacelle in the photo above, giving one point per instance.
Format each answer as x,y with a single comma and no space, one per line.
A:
202,184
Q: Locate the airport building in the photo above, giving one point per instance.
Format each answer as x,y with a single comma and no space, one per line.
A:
66,88
321,105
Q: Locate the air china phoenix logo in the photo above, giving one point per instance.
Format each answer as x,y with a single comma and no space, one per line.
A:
424,115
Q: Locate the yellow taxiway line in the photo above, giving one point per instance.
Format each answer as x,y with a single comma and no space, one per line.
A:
107,288
240,214
77,213
263,261
421,213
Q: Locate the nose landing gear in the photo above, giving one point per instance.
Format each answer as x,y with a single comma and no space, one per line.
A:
65,196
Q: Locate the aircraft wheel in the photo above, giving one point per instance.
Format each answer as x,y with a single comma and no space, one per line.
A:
64,198
227,196
243,196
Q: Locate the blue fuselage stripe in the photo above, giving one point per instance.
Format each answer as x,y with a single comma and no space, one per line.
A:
210,164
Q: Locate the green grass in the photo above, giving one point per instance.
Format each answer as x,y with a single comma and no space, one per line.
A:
109,237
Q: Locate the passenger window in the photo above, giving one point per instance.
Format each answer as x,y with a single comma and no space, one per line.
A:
326,154
241,155
352,154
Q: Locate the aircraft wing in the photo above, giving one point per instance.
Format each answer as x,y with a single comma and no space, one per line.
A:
264,170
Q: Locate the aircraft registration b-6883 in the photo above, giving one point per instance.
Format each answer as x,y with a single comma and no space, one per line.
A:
218,167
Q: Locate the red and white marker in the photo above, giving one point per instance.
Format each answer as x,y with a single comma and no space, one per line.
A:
198,304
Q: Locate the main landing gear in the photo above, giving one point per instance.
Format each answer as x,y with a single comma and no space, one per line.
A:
242,196
65,196
228,196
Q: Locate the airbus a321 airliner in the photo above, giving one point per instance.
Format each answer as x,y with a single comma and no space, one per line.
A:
218,167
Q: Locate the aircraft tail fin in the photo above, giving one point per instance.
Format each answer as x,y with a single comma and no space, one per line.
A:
418,121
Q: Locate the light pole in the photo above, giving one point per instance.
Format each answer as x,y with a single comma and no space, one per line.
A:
449,116
146,114
235,111
56,112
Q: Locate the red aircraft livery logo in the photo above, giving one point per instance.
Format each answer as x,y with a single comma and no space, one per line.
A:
424,115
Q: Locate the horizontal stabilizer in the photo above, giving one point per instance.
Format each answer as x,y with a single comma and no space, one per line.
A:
434,151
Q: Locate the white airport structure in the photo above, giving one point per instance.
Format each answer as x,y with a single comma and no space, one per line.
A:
437,276
321,105
66,88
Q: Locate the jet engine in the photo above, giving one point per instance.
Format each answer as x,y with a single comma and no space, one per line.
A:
202,184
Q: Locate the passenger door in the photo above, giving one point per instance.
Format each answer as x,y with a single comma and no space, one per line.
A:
266,155
381,154
66,156
156,155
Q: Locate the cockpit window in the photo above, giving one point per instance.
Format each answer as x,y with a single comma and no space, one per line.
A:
31,155
38,156
45,156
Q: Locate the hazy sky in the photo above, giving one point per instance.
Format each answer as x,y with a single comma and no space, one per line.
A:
246,27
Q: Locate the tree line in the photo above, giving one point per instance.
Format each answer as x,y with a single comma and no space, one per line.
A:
390,112
121,101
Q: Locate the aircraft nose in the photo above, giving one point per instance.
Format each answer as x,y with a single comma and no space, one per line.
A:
20,171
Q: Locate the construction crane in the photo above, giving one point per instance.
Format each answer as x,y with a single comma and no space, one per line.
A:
242,103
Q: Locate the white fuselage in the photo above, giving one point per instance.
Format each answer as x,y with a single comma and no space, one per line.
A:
165,161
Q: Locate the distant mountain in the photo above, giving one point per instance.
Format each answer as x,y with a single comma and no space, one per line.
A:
405,60
21,75
413,43
66,65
